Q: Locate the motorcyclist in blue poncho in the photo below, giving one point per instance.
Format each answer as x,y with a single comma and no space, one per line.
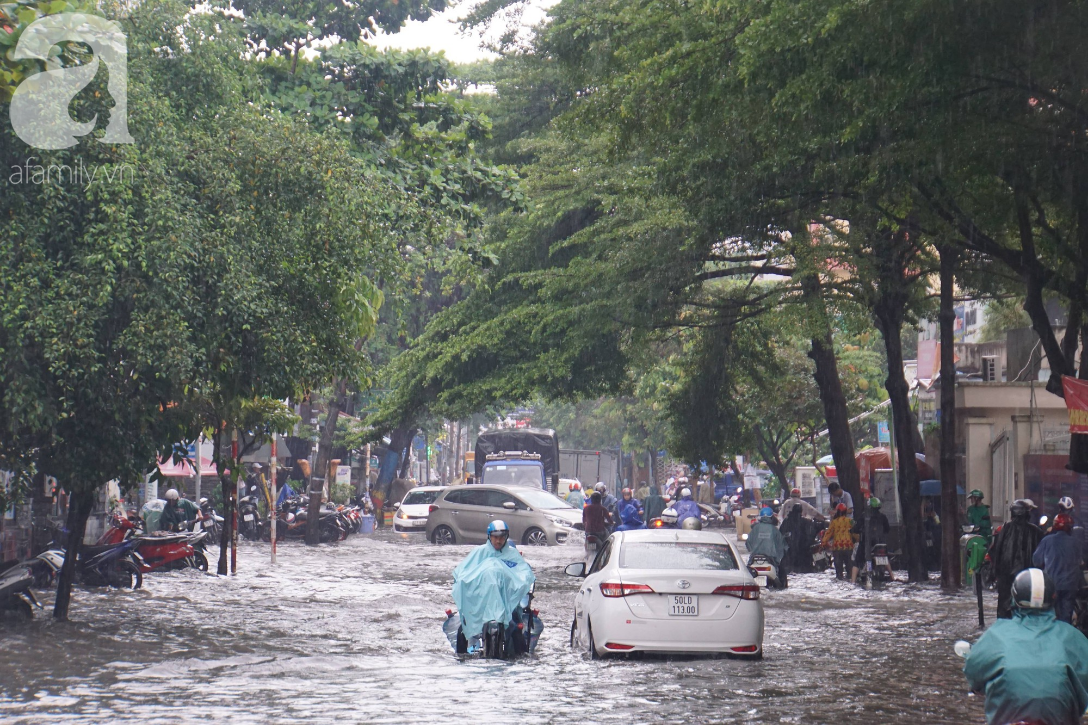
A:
629,517
685,507
1031,667
489,585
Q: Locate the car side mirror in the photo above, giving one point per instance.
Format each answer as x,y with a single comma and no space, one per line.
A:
576,569
396,505
509,505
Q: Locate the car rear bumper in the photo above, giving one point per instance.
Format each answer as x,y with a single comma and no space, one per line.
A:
743,629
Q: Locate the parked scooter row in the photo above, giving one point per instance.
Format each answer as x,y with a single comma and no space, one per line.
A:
161,550
336,523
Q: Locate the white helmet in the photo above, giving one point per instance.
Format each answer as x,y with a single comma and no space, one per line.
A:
685,492
172,494
600,487
671,481
498,526
1065,503
669,516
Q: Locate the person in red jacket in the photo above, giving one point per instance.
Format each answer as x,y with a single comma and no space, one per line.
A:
596,519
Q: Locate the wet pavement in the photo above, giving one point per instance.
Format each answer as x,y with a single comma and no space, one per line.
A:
351,632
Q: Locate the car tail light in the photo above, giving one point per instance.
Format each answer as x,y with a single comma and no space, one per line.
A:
617,589
740,591
432,508
616,645
749,648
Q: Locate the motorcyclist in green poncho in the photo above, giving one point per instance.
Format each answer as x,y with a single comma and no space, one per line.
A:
978,515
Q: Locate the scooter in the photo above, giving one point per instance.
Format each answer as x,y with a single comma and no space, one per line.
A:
875,574
765,571
209,520
498,641
250,524
15,595
157,551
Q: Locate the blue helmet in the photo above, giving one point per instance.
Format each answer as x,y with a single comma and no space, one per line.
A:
766,511
499,526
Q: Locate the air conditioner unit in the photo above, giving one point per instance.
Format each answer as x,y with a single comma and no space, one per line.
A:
989,368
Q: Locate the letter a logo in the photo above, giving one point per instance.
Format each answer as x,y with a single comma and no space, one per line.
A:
39,106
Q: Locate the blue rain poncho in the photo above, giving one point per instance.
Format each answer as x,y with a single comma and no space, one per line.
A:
488,585
1031,667
686,509
629,517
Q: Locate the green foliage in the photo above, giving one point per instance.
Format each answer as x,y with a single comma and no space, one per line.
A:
1002,315
14,18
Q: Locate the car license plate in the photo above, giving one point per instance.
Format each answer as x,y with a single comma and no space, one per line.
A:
248,517
684,605
881,560
761,581
418,522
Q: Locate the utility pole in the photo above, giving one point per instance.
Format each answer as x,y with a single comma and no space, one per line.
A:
234,508
272,511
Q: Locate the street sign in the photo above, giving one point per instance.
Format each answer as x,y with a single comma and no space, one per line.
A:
343,474
882,434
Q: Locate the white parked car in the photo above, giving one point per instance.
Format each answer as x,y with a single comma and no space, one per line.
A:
667,590
412,511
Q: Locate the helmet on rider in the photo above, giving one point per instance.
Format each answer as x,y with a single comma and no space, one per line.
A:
1032,589
841,508
574,486
1063,522
795,493
669,516
626,493
498,526
685,492
975,493
1019,509
692,523
172,494
601,487
1065,504
874,502
766,512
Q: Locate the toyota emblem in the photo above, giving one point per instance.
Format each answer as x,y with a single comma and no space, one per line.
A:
683,583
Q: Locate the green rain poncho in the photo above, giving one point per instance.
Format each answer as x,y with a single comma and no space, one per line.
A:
1031,667
488,585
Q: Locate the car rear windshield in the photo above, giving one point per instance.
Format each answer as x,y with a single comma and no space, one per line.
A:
677,555
420,497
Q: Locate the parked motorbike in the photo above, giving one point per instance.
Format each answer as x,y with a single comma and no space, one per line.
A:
210,521
16,598
157,551
765,571
112,565
250,524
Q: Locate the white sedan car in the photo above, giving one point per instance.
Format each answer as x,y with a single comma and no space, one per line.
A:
670,591
412,512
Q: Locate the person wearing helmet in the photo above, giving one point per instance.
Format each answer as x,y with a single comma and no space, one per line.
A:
178,513
978,515
608,501
871,529
840,538
766,539
808,511
489,584
1032,667
1058,554
574,496
1010,553
668,518
596,519
630,513
627,499
685,507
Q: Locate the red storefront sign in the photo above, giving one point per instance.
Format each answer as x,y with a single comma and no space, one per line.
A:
1076,401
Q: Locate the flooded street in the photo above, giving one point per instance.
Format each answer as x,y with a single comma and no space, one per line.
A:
351,633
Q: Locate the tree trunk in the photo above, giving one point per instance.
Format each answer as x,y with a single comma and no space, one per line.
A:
836,414
319,476
399,439
950,508
889,317
79,510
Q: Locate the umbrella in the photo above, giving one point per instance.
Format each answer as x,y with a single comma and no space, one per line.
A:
932,487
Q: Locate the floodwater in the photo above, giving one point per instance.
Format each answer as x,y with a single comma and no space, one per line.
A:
351,632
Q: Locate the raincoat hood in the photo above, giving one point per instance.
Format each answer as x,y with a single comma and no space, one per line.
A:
488,585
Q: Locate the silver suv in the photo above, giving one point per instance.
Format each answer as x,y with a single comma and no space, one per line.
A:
460,515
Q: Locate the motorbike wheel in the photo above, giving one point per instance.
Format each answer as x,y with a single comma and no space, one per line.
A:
18,608
535,537
329,534
124,575
200,561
